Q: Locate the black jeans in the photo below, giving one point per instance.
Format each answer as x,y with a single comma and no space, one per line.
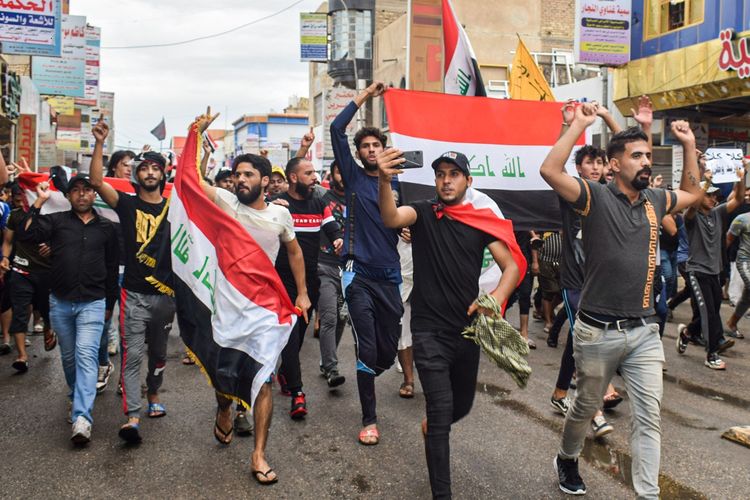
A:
706,290
447,365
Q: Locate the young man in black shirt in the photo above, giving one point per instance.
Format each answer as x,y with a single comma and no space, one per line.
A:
310,215
84,288
145,311
446,284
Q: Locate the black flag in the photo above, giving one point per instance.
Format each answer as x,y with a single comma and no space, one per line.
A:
160,131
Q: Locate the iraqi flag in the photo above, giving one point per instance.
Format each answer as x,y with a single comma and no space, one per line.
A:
234,313
505,141
461,70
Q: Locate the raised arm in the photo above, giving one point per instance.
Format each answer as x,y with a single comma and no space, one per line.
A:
204,121
304,146
36,227
690,190
393,216
739,189
96,174
553,168
609,120
645,117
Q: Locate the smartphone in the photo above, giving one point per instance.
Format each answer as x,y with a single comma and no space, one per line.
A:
413,159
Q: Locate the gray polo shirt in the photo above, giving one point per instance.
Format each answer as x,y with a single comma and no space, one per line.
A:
571,265
740,228
705,238
620,241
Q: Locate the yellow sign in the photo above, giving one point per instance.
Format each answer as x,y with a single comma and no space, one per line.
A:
527,81
62,105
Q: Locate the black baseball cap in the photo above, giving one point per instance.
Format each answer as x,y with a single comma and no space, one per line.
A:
458,159
150,156
79,177
222,174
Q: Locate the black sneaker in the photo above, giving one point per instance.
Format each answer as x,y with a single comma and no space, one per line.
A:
299,406
334,379
724,344
567,474
242,426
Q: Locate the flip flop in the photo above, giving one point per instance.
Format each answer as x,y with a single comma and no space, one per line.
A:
50,341
611,401
223,437
187,360
406,391
156,410
129,433
256,474
21,366
363,434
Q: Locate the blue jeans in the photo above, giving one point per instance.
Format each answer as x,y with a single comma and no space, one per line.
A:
669,271
79,331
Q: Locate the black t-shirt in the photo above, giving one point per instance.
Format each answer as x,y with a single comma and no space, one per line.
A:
138,222
448,259
25,256
571,265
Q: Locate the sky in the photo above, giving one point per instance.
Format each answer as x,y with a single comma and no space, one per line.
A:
253,70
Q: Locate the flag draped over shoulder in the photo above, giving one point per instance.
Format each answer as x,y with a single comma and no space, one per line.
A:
234,313
527,81
461,69
505,141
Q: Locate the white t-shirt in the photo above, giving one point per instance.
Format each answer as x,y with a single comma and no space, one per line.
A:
268,227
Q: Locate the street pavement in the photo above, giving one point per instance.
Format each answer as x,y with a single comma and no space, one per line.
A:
503,449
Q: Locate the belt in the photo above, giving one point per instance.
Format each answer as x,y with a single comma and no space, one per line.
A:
619,325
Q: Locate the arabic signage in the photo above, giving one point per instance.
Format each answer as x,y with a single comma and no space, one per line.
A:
29,27
334,101
91,89
724,164
731,60
313,32
603,31
26,139
62,105
65,75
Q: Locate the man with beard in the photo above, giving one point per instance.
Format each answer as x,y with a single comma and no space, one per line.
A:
84,288
446,284
146,314
224,179
329,272
616,328
310,215
704,222
372,273
270,225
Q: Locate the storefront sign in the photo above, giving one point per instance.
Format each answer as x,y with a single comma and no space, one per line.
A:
93,43
602,34
724,164
26,139
313,36
731,60
47,150
64,75
30,28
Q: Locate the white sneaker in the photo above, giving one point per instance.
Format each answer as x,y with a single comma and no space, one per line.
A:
600,426
103,378
81,431
39,327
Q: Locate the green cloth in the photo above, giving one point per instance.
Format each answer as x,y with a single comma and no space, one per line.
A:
500,341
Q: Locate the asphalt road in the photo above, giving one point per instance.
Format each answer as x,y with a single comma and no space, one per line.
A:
503,449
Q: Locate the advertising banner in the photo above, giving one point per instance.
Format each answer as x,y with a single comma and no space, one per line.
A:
31,28
65,75
602,34
313,31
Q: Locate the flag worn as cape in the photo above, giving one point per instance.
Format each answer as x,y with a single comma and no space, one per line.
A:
527,81
234,313
160,131
461,69
504,140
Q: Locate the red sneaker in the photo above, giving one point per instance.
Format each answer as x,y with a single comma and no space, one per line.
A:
299,406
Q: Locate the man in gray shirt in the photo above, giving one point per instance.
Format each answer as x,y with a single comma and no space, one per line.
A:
704,222
615,329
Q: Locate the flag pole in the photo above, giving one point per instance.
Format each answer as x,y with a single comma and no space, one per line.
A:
408,44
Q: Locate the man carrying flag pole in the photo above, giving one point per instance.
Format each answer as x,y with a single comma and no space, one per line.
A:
449,234
252,315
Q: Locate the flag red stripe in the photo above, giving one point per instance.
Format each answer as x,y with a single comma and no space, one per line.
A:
29,181
450,33
241,260
473,120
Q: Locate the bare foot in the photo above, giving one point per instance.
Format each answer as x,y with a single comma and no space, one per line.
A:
369,435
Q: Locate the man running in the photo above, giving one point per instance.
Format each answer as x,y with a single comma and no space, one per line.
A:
84,288
270,225
310,215
146,314
615,327
446,284
372,274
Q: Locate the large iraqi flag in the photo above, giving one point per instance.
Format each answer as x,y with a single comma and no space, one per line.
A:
505,141
234,314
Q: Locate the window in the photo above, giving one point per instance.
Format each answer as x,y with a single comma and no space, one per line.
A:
352,35
665,16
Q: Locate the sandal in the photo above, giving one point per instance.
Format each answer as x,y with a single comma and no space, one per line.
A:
369,433
734,333
611,400
267,481
50,340
187,360
21,365
223,437
129,433
406,391
156,410
5,348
